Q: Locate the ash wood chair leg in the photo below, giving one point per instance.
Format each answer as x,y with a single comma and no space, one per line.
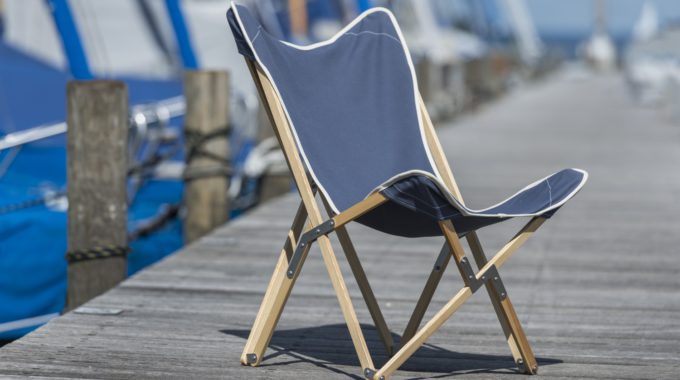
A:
345,303
506,313
288,145
517,341
427,293
275,297
528,365
365,287
423,334
438,320
459,299
366,291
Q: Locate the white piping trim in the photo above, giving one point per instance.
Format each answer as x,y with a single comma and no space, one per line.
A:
327,42
27,322
259,30
472,212
374,34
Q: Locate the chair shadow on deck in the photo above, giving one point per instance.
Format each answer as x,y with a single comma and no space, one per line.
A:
328,346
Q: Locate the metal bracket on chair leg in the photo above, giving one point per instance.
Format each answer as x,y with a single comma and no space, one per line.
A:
490,274
443,255
369,373
306,239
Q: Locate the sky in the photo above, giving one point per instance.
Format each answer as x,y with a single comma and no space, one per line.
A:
575,17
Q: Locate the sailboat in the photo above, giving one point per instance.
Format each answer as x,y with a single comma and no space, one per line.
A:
599,51
652,63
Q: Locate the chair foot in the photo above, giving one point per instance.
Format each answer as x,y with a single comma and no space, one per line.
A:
249,360
370,374
523,368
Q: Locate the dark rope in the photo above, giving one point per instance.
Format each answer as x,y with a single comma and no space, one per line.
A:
5,209
195,141
146,164
195,146
192,174
161,220
153,161
96,253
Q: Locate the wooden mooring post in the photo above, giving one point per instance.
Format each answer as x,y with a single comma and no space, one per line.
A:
207,175
97,190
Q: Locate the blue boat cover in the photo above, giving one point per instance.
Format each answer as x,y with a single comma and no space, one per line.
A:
352,105
33,239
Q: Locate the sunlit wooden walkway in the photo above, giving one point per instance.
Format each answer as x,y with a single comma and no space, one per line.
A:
597,288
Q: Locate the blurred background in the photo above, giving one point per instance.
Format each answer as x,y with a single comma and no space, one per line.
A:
466,52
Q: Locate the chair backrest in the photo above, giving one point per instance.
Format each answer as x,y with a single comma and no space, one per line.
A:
351,102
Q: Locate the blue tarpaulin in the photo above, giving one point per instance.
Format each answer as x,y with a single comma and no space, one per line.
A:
33,238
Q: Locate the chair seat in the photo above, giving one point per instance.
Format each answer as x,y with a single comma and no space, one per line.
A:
418,201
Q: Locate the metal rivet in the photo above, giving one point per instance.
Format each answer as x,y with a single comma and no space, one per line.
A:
470,277
495,278
251,358
483,278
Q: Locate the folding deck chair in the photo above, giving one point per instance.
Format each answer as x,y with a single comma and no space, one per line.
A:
353,127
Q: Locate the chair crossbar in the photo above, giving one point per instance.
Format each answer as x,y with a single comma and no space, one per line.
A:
511,246
364,286
499,308
331,225
428,292
487,274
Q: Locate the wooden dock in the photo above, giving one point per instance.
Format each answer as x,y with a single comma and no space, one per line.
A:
597,288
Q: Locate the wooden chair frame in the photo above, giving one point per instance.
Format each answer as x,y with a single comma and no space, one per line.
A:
297,245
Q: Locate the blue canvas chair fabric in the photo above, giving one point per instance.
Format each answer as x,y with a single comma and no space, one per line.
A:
350,107
352,104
